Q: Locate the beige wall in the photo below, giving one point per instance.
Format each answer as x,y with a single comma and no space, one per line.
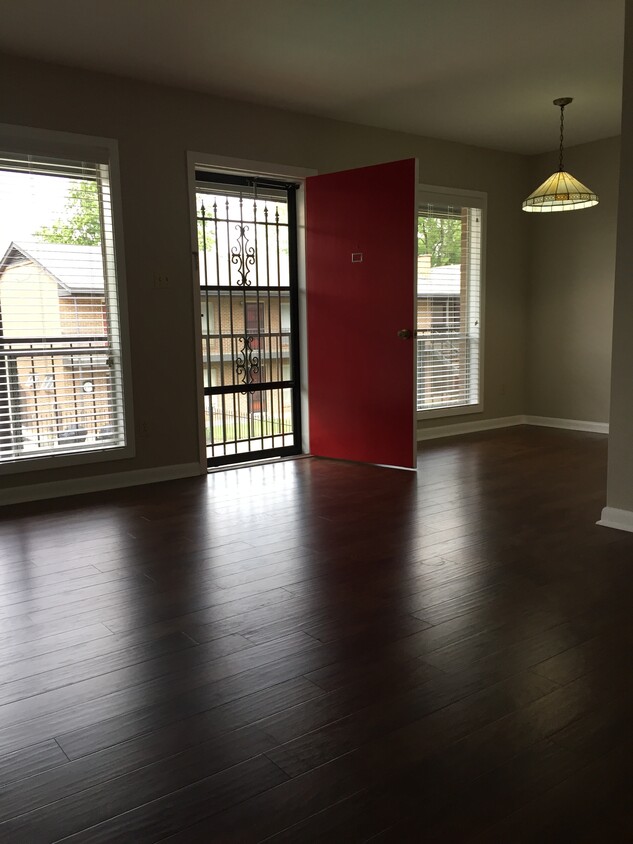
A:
572,268
155,126
620,478
29,302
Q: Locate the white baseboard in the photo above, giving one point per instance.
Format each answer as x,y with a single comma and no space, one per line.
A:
437,431
568,424
98,483
118,480
619,519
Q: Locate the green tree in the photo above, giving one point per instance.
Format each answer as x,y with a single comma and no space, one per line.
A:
441,238
206,238
80,224
206,241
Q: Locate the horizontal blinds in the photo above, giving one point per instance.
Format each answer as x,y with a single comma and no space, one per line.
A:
60,345
33,165
448,306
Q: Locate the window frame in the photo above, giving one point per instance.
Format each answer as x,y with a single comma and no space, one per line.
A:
466,199
64,145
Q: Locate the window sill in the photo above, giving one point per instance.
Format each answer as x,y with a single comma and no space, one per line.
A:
61,461
454,410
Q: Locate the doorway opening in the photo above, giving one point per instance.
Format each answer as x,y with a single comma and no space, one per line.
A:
249,309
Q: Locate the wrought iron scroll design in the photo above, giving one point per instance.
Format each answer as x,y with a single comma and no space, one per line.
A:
243,256
246,363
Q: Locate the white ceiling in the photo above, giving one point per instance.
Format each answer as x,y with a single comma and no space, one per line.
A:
479,71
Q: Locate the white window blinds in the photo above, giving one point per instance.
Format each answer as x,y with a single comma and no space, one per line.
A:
61,387
448,306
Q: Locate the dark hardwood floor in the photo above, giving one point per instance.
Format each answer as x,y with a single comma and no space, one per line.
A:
321,651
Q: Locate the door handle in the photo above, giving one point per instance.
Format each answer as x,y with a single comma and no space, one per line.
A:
405,334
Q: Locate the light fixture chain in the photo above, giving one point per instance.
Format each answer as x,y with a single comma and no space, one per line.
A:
560,156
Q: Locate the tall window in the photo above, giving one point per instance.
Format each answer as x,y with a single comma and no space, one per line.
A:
448,306
61,389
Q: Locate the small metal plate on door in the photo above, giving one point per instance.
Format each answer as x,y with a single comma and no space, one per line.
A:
357,257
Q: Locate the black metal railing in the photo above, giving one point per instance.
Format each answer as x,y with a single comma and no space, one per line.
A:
56,394
444,362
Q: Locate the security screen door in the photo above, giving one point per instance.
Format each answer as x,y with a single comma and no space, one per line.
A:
361,254
248,307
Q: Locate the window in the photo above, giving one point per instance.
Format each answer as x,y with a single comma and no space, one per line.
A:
207,315
448,305
285,316
61,380
254,316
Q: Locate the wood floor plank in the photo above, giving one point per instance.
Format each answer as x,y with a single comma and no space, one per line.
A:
127,618
30,761
185,806
193,713
564,810
26,697
222,747
93,806
41,673
434,713
27,644
105,696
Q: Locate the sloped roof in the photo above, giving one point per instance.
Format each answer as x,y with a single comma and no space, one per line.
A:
440,281
77,269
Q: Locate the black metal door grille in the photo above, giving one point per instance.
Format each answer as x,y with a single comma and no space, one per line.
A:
247,248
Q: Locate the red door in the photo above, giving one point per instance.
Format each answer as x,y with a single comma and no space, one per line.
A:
361,253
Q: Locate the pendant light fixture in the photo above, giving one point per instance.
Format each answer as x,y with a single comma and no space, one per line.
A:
561,192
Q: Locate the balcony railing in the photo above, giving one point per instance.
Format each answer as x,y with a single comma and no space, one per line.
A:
444,369
57,395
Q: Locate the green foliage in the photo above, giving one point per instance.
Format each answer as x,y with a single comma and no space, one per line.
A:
206,241
81,224
205,227
440,238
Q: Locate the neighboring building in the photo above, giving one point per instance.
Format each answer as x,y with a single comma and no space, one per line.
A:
227,318
440,347
52,309
438,295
